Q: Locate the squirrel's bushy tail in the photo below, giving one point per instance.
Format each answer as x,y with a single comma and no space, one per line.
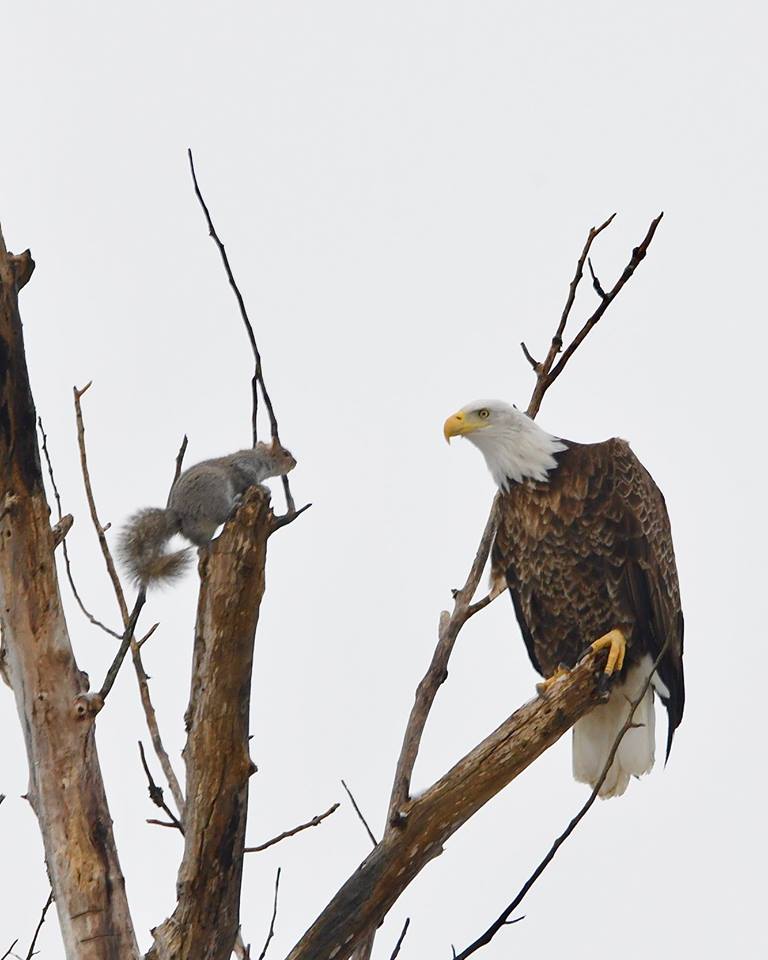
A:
141,547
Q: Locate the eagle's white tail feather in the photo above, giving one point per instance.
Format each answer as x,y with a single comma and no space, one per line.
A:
594,735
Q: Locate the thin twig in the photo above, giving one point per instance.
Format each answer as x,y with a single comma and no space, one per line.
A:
448,631
9,950
314,822
503,918
67,564
550,370
147,635
358,811
534,363
105,551
557,340
123,649
284,519
180,459
638,255
274,917
31,951
156,794
258,377
595,282
401,938
141,675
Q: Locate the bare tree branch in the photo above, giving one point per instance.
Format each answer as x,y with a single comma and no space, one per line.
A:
147,635
31,951
9,950
359,812
128,639
426,822
503,918
180,459
258,376
437,673
595,282
274,917
638,255
67,564
400,939
61,528
100,530
550,371
141,675
156,794
314,822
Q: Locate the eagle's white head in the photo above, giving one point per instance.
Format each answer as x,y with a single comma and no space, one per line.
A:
514,448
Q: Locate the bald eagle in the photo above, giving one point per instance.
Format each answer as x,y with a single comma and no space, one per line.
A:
584,546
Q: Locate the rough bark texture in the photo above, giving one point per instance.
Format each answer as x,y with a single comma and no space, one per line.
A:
66,789
425,823
205,922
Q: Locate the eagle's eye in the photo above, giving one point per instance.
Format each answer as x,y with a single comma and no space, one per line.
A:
484,413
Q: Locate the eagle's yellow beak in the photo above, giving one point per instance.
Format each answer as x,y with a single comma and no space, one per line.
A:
456,426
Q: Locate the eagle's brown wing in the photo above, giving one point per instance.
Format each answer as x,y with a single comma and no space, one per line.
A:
588,551
651,576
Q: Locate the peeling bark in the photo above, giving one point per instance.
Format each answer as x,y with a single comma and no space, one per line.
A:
66,789
206,919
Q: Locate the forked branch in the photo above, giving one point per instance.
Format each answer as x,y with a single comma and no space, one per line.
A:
548,371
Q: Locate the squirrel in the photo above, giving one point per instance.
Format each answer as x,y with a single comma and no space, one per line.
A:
202,498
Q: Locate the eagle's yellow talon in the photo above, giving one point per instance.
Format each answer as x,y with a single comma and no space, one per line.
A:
546,683
617,644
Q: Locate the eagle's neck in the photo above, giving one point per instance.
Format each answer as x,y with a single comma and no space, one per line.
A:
518,450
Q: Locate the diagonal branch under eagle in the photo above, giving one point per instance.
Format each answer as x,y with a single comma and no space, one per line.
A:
585,547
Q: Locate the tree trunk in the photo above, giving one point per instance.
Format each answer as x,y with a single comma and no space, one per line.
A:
66,789
206,919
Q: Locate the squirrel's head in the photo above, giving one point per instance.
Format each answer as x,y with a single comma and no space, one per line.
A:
281,460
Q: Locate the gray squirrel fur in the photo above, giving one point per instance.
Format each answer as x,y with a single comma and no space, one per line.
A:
201,500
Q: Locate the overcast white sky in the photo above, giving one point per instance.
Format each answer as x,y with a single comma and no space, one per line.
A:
404,188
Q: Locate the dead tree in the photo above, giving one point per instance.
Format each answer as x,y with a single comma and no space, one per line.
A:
58,712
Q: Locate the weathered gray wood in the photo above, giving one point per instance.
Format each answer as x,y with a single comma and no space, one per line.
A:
206,919
66,789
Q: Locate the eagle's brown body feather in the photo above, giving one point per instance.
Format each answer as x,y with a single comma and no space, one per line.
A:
590,550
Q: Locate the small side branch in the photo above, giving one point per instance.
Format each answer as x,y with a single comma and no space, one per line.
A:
400,939
448,631
274,917
314,822
180,459
130,628
548,371
141,675
67,563
100,530
359,812
31,951
156,794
